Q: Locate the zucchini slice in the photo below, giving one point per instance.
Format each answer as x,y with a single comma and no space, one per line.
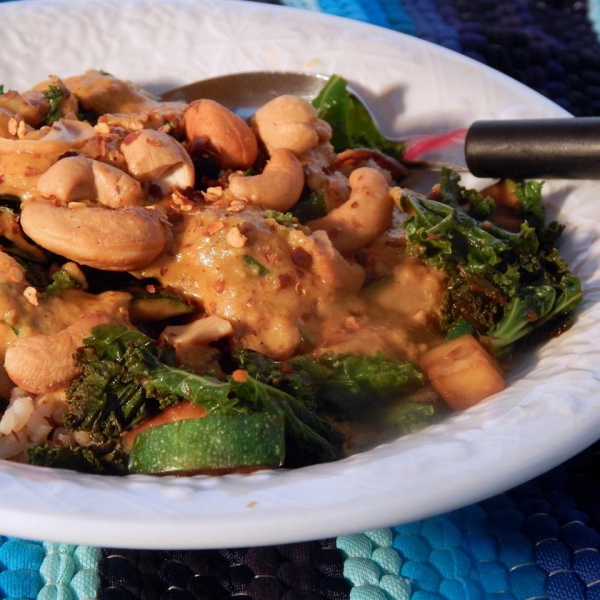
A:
214,443
157,307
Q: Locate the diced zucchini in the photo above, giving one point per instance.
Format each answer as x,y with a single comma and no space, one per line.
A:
157,307
462,371
217,442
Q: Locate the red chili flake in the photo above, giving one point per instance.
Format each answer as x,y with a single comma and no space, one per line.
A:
301,258
130,137
151,289
532,316
284,280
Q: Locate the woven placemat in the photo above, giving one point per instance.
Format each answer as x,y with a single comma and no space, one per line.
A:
538,541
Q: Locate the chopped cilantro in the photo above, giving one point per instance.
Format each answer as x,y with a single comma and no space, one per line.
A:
258,268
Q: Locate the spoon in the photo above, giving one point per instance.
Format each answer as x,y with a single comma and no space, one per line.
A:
562,148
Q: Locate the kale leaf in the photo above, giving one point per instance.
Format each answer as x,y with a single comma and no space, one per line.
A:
505,284
342,385
126,377
351,122
105,459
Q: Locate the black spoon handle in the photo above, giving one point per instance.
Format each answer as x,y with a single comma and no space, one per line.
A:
535,148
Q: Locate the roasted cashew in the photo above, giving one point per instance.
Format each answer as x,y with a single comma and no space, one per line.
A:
112,240
24,160
365,215
227,134
157,158
278,187
333,269
79,178
44,363
198,333
290,122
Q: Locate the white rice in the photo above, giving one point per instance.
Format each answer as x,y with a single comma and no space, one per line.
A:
30,419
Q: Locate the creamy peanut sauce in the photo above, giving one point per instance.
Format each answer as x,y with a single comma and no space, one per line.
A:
287,292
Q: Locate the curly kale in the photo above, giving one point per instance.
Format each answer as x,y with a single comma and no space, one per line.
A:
505,284
126,377
382,395
105,459
341,384
351,122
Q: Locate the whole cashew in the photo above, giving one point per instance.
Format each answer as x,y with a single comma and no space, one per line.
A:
365,215
229,136
79,178
157,158
44,363
279,186
333,269
112,240
290,122
23,160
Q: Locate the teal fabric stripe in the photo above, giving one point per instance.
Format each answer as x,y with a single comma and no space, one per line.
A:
385,13
594,14
305,4
345,8
398,13
47,571
475,553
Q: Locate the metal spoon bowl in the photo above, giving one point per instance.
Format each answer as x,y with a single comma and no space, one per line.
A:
566,148
244,93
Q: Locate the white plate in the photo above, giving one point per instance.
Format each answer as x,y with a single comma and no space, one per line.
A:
551,410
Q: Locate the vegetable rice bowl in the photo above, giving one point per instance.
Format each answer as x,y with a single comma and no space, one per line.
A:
188,292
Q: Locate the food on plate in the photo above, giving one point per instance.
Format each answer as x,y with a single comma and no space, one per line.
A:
184,291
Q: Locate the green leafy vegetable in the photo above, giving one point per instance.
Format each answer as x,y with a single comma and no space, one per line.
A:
61,280
342,385
106,459
505,284
310,206
125,378
351,122
409,417
285,219
55,96
256,266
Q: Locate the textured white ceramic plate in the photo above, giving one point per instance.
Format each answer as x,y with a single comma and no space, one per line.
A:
551,409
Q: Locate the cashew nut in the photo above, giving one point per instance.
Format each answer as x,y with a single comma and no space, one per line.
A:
24,160
333,269
228,135
279,186
78,178
290,122
198,333
112,240
365,215
44,363
157,158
